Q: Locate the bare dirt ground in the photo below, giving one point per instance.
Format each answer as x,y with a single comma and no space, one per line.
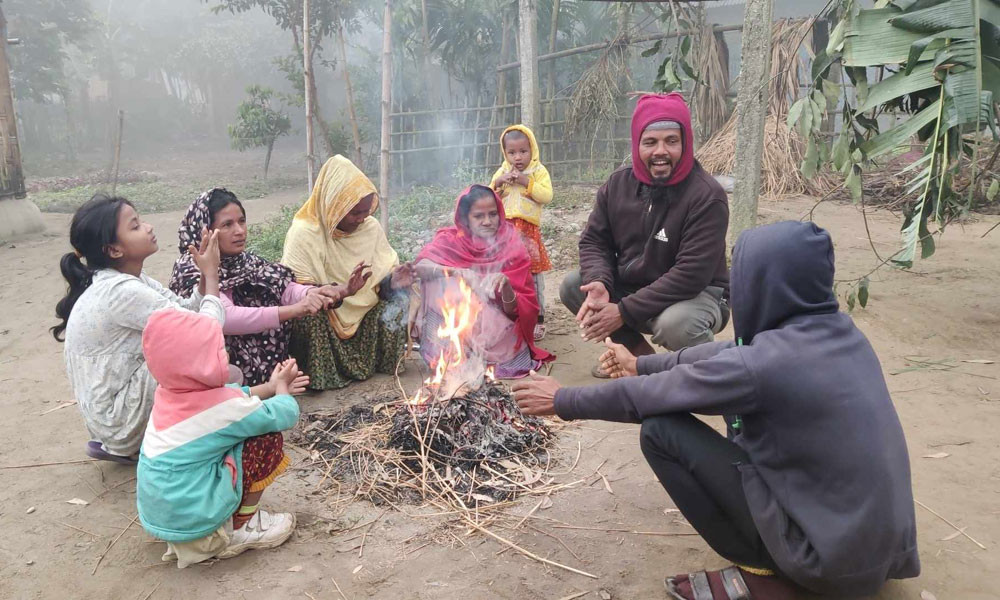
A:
947,312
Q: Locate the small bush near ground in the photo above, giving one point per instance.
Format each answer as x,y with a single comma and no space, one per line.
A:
267,239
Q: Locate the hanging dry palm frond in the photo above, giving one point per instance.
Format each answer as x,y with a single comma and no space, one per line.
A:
595,98
789,68
784,149
708,99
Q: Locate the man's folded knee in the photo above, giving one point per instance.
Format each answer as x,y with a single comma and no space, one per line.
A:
569,290
656,433
676,330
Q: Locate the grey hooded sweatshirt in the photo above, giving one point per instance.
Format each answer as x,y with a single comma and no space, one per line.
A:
828,476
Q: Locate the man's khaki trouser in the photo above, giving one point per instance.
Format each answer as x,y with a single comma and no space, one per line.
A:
687,323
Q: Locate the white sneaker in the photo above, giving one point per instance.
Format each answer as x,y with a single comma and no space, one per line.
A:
263,530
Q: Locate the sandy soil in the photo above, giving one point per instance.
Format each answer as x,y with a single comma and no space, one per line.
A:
947,311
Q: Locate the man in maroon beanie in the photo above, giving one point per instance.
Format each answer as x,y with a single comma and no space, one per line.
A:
653,253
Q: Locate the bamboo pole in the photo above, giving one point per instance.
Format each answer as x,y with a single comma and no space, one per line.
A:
528,54
751,112
349,92
603,45
118,149
550,90
383,167
306,69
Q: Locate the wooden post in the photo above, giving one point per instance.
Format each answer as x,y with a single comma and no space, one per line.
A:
528,54
349,91
751,112
118,150
550,91
306,68
383,163
428,87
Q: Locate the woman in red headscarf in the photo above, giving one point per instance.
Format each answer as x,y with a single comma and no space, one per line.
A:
485,251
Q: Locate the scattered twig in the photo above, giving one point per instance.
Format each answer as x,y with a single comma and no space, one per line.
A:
574,596
339,591
63,405
112,543
956,527
49,464
78,529
558,539
514,546
995,225
152,591
364,536
116,486
632,531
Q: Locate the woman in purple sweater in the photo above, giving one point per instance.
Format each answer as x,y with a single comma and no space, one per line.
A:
260,297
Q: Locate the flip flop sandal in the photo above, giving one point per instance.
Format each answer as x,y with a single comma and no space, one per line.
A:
95,450
599,373
736,587
732,581
539,332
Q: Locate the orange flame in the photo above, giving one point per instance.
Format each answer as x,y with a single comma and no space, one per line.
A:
458,317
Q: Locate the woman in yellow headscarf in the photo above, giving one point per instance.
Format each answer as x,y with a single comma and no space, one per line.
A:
335,238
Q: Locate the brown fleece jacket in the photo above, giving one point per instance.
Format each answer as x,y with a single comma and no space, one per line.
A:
651,254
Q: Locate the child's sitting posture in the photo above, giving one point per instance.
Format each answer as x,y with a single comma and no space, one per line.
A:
523,183
210,450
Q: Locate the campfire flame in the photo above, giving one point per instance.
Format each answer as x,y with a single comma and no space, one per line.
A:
459,314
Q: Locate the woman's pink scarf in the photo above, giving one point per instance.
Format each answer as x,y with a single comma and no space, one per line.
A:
457,247
662,107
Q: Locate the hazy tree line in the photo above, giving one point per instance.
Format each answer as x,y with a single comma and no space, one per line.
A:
180,68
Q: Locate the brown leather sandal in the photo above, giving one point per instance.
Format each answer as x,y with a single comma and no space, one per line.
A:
732,581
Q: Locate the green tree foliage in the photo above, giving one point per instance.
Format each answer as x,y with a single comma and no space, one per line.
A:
938,61
48,30
258,124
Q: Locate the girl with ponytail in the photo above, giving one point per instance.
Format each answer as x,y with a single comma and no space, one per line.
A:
103,315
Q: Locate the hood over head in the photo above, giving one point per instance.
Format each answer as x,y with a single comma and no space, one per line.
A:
185,351
780,271
662,107
531,142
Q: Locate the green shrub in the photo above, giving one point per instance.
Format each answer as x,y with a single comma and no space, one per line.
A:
267,239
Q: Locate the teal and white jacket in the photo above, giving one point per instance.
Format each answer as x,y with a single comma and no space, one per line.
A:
190,473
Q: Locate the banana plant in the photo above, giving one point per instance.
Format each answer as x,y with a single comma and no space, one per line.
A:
939,61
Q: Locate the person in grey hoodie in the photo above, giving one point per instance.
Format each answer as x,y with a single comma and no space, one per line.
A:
812,484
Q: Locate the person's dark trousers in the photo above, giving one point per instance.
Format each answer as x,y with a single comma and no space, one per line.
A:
698,468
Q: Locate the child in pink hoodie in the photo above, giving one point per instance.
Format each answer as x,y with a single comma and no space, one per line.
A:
210,450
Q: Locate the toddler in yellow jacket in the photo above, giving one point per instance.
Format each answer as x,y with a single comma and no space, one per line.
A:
523,183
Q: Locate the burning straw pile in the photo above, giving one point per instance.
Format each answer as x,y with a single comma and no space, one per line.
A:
460,443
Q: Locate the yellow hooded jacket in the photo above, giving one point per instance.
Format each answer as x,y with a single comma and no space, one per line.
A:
520,202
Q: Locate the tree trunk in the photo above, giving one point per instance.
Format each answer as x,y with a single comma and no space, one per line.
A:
355,131
307,83
428,88
267,157
528,17
309,89
550,91
751,112
70,127
496,114
383,170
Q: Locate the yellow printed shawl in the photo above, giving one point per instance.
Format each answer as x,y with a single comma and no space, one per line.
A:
319,253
